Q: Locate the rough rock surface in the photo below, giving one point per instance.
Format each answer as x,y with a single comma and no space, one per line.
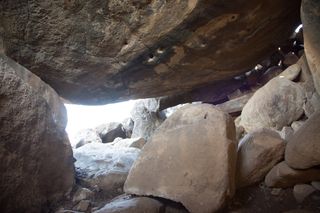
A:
303,149
190,159
274,105
132,205
82,206
82,194
86,136
58,110
302,191
129,142
311,32
282,176
36,166
146,118
286,133
103,166
312,104
258,152
296,125
110,131
101,51
128,124
316,185
291,73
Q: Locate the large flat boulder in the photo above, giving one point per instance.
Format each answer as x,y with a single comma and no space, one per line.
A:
94,52
258,152
36,168
275,105
189,159
303,149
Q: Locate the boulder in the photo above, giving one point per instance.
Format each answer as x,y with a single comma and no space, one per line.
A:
110,131
258,152
312,104
132,205
286,133
36,168
283,176
82,206
275,105
82,194
128,125
97,51
129,142
311,33
291,73
86,136
290,59
189,159
235,105
302,191
146,118
104,167
296,125
303,149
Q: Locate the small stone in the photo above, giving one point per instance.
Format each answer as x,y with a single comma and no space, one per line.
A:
276,191
296,125
302,191
82,194
129,142
82,206
110,131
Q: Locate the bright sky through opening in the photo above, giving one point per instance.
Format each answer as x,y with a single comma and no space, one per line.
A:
82,117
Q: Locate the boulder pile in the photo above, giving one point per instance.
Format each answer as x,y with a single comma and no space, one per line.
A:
252,148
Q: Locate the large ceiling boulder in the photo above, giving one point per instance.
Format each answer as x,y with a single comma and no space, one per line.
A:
36,163
94,52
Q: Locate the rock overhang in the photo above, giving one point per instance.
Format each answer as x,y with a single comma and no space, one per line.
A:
102,52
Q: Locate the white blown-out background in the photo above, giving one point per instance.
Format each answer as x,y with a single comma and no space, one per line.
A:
83,117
